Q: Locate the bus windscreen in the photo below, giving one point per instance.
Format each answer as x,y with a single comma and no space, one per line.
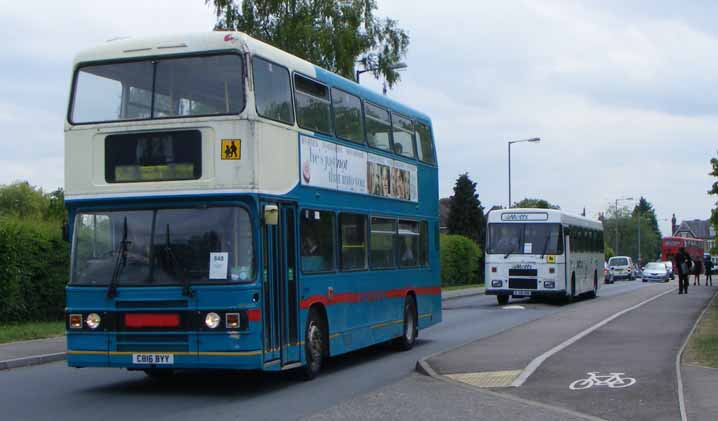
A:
163,246
524,239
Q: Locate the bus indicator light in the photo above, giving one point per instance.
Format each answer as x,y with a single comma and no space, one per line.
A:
232,320
75,321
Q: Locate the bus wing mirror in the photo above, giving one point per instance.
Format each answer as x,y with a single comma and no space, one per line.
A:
271,214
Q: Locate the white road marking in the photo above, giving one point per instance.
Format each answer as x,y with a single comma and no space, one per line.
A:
536,362
513,307
612,380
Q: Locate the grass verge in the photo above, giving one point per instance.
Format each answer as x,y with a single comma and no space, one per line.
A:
703,346
459,287
31,330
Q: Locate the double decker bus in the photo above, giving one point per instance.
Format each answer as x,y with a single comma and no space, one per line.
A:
233,206
542,253
694,247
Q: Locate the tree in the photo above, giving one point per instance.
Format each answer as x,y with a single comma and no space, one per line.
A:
625,223
466,215
334,34
647,214
535,203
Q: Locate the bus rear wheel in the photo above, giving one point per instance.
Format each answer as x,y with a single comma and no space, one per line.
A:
406,341
314,345
502,299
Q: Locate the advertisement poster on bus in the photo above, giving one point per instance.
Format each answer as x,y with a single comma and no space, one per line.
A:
351,170
318,163
328,165
378,173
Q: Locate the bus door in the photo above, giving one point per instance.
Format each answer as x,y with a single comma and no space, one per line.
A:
280,284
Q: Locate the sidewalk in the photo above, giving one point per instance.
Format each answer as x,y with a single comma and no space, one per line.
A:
642,343
40,351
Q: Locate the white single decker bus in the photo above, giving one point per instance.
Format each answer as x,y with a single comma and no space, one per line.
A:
542,253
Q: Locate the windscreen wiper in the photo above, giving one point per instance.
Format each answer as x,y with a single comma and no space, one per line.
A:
187,285
545,246
120,262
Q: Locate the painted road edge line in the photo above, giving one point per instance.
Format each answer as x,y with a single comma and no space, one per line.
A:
679,357
536,362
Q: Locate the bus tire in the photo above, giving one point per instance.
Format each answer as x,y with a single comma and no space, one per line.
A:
594,293
315,346
572,294
502,299
411,325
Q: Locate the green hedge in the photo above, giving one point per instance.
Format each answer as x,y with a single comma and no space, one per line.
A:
459,260
34,262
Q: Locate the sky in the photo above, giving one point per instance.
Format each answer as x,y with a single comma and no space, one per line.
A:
620,93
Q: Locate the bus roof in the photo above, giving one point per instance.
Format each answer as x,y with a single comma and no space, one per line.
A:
195,43
522,215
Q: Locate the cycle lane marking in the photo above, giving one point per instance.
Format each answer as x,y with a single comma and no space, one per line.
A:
536,362
612,381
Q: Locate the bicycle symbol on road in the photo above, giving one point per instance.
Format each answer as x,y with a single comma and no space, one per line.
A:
613,381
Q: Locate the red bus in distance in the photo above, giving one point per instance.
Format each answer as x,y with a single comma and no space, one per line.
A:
694,248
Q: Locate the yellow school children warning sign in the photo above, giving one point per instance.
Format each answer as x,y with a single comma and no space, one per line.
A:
550,259
231,149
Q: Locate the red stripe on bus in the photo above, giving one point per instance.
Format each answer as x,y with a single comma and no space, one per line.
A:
254,315
357,297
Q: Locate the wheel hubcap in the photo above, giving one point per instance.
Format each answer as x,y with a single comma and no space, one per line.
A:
409,334
315,344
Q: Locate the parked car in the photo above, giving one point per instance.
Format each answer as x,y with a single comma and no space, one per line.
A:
620,267
656,272
669,266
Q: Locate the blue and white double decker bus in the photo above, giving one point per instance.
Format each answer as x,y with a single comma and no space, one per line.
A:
234,206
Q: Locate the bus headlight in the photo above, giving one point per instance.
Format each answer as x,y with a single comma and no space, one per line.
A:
93,320
212,320
549,284
497,284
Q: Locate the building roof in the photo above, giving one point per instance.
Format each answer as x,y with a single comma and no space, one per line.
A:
697,228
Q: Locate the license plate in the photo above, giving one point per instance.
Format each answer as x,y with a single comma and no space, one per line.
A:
522,293
155,359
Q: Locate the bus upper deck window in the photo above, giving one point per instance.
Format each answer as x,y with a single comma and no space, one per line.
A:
378,126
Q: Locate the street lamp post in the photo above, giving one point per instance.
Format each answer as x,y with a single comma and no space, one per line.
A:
511,142
397,66
616,216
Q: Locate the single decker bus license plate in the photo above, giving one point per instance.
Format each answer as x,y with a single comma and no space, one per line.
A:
156,359
521,293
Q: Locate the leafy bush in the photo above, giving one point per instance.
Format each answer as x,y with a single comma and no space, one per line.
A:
459,260
34,262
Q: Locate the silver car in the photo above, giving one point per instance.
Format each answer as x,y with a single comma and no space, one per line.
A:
656,272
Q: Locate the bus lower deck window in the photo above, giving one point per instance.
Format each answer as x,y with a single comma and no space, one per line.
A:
317,233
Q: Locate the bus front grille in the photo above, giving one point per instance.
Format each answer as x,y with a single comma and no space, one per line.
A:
522,283
523,272
147,343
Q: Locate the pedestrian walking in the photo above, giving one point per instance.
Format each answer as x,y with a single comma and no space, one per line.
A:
683,263
696,269
709,269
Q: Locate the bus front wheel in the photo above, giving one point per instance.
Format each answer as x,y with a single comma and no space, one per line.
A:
406,341
502,299
314,345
